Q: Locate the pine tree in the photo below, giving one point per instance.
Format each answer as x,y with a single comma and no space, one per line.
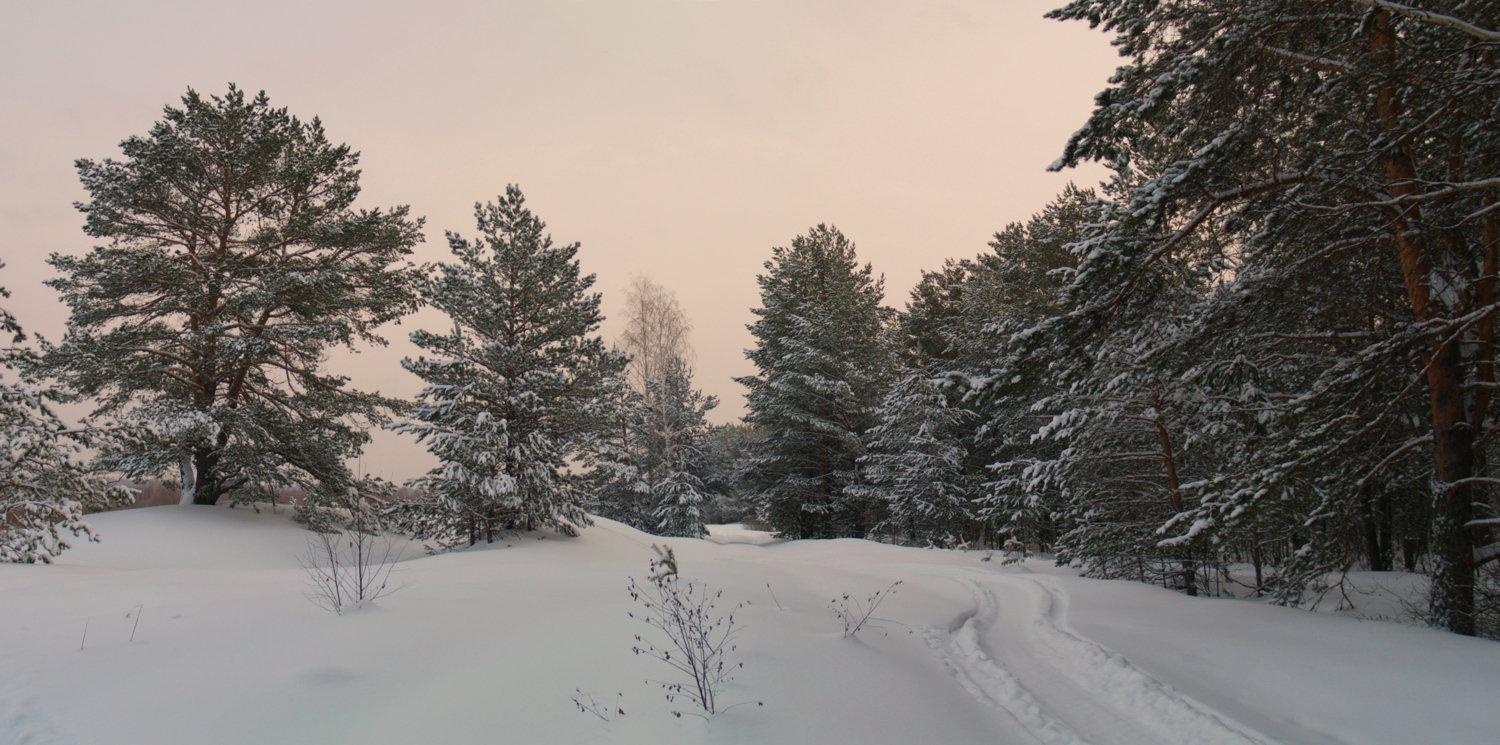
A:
914,465
824,360
929,324
616,466
650,467
516,388
233,261
44,493
985,302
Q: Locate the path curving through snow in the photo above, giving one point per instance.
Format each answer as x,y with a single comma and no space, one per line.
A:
1015,652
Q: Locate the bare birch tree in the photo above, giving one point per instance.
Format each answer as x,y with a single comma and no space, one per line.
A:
656,334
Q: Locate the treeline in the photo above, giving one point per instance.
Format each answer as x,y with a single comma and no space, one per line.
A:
1268,341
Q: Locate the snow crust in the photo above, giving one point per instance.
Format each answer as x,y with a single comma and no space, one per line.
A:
488,644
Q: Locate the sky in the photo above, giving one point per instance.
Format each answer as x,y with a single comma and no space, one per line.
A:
677,139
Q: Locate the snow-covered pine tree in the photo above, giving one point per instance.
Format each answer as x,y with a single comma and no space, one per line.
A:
928,326
1360,134
728,449
824,363
1132,441
651,465
44,493
615,464
515,389
984,302
914,465
675,431
233,261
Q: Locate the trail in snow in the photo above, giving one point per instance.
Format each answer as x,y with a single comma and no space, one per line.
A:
1018,655
993,685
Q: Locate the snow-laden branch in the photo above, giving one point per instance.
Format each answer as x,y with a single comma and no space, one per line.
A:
1449,188
1324,63
1403,450
1431,17
1276,181
1483,480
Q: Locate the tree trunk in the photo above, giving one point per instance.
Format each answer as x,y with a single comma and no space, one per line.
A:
1374,555
1410,550
1453,434
210,484
1189,575
1255,558
189,479
1453,503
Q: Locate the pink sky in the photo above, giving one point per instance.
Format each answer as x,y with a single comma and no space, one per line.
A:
680,140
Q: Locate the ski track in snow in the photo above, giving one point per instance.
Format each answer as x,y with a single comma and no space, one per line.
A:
1019,656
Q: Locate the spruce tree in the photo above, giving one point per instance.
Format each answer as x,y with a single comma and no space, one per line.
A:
516,388
728,450
824,362
233,261
676,431
915,465
616,464
651,464
653,467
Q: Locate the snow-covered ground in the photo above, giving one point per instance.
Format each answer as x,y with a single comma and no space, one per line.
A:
489,644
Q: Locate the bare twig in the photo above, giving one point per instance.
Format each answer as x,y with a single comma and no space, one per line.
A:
354,574
607,713
773,598
699,640
857,616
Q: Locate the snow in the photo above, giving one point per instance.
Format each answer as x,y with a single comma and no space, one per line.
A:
488,644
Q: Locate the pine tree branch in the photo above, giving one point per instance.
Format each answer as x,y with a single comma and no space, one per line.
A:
1437,18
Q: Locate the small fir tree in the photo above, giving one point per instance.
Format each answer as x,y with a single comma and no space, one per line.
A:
677,430
653,468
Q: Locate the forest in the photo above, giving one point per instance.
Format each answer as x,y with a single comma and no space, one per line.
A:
1261,355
